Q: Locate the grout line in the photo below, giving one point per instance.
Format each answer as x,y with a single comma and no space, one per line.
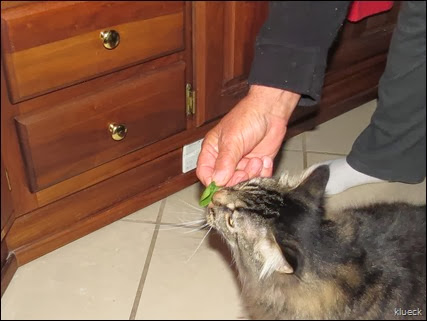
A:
178,225
291,150
326,153
147,262
137,221
304,151
171,224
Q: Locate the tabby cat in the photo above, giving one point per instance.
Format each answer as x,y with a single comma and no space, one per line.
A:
297,261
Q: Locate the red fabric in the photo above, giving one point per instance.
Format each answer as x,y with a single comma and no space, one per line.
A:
362,9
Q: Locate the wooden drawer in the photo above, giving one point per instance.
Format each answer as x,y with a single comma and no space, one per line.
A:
74,137
50,45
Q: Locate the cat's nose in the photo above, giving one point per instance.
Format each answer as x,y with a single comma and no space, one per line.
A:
219,197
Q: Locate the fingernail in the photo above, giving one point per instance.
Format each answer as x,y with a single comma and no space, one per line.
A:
267,162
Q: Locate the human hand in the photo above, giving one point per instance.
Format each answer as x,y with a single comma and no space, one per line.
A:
245,142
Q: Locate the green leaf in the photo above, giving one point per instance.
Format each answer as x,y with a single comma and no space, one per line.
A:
207,194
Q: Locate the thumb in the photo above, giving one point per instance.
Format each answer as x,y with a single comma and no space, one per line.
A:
229,156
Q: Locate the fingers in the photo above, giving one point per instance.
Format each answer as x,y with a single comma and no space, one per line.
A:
218,159
207,159
204,173
242,164
267,167
228,157
247,168
205,166
235,149
238,176
254,167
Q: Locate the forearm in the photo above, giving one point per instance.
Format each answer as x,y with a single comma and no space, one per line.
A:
278,102
292,46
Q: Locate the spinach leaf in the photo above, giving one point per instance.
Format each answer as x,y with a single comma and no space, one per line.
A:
206,197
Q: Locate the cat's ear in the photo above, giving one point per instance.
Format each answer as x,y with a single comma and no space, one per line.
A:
272,257
315,184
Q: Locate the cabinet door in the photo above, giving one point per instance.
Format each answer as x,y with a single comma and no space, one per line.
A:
7,214
8,260
224,37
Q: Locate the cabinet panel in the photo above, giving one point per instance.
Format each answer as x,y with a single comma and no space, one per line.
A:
224,41
40,58
242,20
58,218
7,211
8,260
359,41
74,137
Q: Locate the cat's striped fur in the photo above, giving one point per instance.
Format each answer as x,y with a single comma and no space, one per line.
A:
296,262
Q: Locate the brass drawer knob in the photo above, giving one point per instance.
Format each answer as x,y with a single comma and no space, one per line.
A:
110,38
118,131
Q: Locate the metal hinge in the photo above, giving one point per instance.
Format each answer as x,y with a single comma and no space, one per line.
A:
8,180
190,97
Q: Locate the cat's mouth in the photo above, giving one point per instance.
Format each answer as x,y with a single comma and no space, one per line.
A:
210,216
216,220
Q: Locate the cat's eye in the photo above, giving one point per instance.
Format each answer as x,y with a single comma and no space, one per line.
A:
230,221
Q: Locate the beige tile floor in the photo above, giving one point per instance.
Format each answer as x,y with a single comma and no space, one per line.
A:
143,267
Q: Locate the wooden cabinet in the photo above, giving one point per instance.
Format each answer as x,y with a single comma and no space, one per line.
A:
95,111
224,37
8,260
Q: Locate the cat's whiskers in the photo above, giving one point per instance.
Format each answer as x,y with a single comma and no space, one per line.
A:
192,212
198,209
184,225
192,222
183,219
186,221
173,228
197,229
233,261
199,245
187,212
188,216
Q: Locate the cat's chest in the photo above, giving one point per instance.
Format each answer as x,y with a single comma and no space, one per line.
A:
274,299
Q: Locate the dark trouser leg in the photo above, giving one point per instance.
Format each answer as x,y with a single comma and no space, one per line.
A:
393,146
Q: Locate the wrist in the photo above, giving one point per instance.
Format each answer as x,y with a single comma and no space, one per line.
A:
278,102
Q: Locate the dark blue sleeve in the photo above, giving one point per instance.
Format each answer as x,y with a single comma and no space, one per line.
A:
292,46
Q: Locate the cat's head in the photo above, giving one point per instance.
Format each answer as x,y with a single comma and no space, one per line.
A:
259,216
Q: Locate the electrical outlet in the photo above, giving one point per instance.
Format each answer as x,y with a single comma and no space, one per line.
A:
190,154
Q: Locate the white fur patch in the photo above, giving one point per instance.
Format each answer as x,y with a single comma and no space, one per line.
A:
273,259
295,180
